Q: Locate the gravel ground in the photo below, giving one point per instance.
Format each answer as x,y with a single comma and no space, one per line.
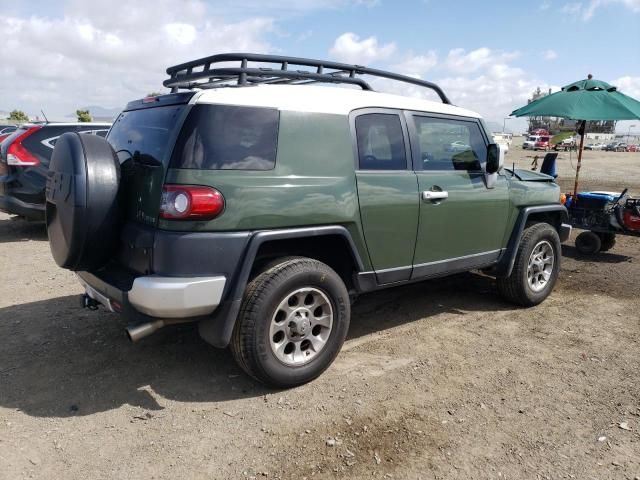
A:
437,380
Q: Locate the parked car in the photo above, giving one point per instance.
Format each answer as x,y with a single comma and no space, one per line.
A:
6,130
457,146
540,132
595,146
621,147
541,144
633,148
227,207
24,160
530,142
566,145
504,139
616,147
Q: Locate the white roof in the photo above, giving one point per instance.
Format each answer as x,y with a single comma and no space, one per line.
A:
321,99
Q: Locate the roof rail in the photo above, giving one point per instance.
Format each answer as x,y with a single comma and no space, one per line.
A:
204,73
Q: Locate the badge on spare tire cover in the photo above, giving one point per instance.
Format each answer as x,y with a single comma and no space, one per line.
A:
83,207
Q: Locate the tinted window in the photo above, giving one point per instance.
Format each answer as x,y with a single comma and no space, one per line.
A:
219,137
380,142
448,144
42,142
144,132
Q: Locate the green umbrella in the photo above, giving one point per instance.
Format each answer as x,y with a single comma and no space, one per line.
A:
583,100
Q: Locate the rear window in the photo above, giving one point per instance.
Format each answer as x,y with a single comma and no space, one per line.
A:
221,137
144,133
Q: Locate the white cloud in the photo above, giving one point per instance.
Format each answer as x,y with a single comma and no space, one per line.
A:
417,65
349,48
483,80
287,8
545,6
587,10
459,61
572,8
628,85
94,54
182,33
550,55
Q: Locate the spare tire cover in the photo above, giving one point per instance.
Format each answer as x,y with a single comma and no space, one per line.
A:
82,208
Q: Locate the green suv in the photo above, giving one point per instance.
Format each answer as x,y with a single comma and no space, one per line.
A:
257,204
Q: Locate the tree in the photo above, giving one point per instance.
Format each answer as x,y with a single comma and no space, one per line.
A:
83,116
154,94
18,116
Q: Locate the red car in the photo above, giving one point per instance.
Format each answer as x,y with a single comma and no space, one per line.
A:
540,131
633,148
542,144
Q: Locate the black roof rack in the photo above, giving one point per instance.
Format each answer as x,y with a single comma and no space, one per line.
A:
204,73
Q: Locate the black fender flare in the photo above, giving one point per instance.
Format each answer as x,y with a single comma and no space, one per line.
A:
218,327
505,264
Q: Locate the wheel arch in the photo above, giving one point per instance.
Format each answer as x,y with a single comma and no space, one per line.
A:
555,215
332,245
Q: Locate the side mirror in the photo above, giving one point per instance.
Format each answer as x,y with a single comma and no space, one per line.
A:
495,161
495,158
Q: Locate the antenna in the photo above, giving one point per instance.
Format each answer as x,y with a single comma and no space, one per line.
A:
45,117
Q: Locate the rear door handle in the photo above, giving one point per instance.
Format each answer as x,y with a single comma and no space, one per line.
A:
431,195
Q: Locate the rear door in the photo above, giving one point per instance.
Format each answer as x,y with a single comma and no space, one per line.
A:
387,192
143,139
462,222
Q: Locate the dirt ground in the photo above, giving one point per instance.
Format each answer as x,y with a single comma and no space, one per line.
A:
437,380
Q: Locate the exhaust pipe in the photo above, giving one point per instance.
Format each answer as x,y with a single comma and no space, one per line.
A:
138,332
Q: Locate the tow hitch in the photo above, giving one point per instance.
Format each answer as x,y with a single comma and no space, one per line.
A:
87,302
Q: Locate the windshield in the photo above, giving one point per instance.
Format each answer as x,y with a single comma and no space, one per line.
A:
144,133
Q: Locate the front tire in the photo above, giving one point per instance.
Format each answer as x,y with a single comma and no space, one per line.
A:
588,243
536,267
293,321
607,241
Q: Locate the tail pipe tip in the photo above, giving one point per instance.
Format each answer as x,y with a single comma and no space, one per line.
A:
138,332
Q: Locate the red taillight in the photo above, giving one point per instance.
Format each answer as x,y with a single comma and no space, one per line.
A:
190,202
18,155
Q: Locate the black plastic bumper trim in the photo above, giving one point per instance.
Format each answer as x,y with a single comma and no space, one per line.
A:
14,206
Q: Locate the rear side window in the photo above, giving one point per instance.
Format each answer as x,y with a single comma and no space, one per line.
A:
221,137
144,133
380,142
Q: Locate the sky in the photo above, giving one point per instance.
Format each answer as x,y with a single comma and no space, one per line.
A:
488,56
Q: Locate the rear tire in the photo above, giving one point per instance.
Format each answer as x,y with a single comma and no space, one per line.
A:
536,267
588,243
292,323
607,241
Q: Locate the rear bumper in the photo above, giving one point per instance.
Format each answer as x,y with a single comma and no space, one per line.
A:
170,297
14,206
157,297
